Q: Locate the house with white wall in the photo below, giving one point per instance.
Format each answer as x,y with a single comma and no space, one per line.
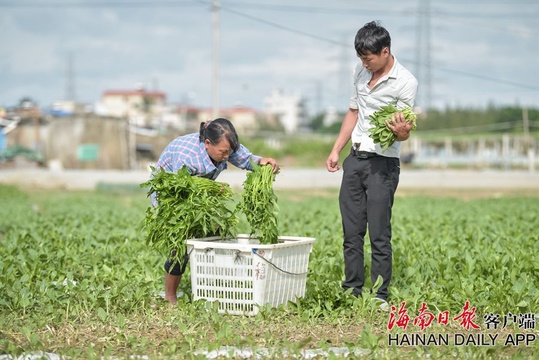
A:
288,109
142,107
243,118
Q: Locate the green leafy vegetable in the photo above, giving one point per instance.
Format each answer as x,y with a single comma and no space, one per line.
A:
380,133
187,207
259,204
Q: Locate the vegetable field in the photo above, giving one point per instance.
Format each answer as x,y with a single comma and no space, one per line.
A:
77,279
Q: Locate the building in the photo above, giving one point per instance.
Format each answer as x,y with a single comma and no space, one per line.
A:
188,118
288,110
142,107
243,118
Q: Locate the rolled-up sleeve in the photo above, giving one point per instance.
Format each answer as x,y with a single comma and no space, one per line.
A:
353,90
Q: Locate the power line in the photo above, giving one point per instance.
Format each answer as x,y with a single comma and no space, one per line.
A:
447,16
99,4
488,78
493,27
478,76
282,27
272,7
464,73
256,19
381,10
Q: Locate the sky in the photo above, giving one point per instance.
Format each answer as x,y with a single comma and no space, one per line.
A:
465,53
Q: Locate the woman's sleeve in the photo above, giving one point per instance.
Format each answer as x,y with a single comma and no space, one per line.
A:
243,158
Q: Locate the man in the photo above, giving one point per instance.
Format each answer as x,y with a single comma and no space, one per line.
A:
370,176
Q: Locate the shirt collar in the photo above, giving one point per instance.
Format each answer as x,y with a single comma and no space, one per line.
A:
394,72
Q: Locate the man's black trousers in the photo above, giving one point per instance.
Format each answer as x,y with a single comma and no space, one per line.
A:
366,198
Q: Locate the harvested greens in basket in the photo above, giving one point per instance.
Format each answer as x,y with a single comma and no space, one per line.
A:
259,204
187,207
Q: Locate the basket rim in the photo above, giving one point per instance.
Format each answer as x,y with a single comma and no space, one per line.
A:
215,242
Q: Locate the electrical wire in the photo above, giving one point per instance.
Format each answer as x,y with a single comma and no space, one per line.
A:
162,3
98,4
276,7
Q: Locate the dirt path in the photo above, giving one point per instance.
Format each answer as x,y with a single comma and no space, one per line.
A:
290,178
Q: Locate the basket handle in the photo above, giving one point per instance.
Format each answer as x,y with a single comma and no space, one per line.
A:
255,251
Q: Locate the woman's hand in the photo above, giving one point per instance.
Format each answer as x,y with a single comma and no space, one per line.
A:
270,161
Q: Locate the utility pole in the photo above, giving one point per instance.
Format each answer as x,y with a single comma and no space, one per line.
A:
528,148
215,82
344,70
423,55
419,51
525,123
428,56
318,95
70,81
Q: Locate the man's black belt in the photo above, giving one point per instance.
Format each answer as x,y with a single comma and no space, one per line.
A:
363,154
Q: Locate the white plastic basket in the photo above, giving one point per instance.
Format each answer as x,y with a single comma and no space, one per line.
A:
242,274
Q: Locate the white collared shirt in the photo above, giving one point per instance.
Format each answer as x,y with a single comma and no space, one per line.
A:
398,87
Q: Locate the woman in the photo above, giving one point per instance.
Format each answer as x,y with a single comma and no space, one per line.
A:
205,154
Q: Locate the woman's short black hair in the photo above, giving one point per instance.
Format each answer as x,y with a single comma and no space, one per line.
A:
215,130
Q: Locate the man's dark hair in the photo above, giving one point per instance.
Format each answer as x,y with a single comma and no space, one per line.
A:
215,130
372,37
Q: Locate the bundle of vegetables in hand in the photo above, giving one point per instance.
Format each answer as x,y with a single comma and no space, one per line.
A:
187,207
380,133
259,204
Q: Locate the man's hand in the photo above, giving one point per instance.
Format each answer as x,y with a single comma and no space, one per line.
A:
270,161
332,163
399,126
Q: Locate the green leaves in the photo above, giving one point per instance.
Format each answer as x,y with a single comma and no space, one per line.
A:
187,207
380,133
259,204
77,277
191,207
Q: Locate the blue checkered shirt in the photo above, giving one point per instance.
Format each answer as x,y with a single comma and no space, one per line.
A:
188,150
